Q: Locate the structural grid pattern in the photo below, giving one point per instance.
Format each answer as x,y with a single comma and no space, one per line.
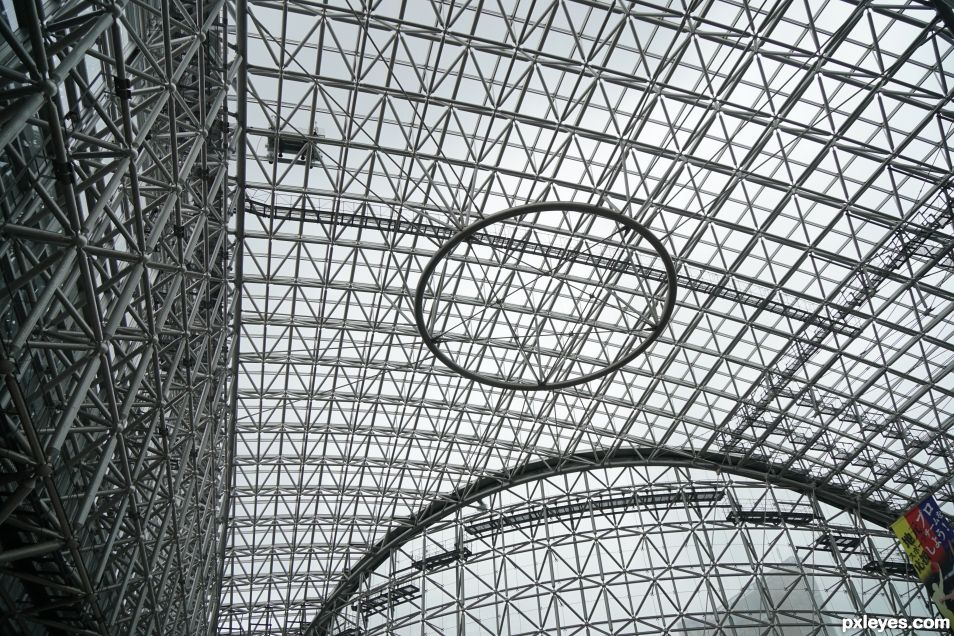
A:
793,158
264,344
639,550
115,306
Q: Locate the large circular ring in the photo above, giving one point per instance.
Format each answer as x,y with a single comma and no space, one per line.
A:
545,296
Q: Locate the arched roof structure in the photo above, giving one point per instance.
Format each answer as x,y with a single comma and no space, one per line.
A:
792,157
218,398
407,529
638,549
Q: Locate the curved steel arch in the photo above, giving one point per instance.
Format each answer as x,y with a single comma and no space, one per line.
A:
872,511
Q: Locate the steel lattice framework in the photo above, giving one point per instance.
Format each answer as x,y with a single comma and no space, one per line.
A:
794,157
218,414
639,550
115,311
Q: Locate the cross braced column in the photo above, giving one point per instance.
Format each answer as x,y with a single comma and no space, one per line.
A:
114,304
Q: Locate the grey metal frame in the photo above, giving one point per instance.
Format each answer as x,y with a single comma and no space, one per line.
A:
664,276
641,549
486,487
215,403
115,307
812,255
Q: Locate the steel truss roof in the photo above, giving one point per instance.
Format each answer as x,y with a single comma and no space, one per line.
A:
681,560
175,406
794,158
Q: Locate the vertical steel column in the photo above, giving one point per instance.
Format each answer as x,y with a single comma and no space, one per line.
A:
241,47
113,315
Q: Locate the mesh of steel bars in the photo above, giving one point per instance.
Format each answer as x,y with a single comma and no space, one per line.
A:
640,551
115,307
793,157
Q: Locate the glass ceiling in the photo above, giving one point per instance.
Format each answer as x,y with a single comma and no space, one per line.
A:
794,158
680,562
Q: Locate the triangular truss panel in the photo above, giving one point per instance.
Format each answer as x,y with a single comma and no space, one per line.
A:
115,313
639,550
794,159
225,278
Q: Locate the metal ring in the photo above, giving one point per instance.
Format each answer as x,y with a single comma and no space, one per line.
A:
533,208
